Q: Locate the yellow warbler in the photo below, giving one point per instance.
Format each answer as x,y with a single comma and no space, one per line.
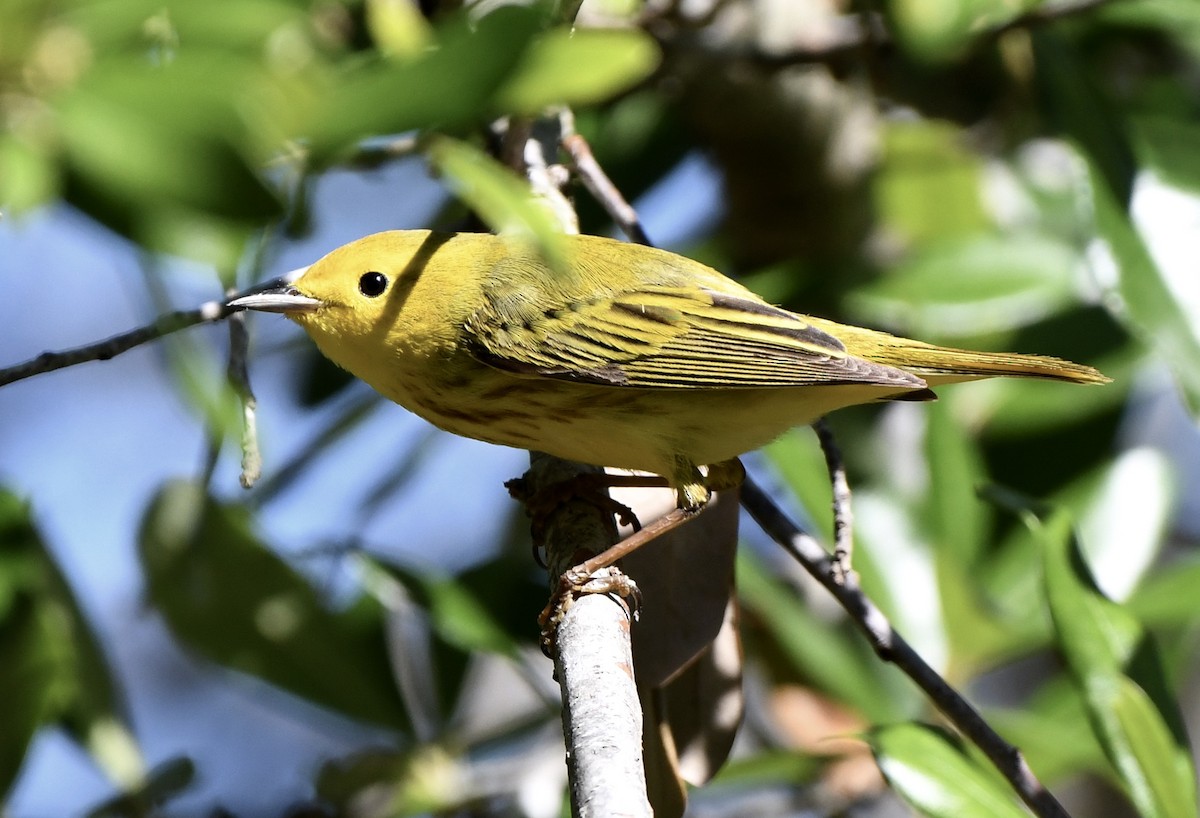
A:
630,356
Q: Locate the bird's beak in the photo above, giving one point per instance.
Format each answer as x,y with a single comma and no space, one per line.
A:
278,296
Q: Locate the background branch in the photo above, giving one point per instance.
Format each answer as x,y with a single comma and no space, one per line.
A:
891,647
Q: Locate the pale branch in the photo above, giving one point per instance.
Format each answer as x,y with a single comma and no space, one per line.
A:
891,647
207,313
597,182
592,650
843,512
239,376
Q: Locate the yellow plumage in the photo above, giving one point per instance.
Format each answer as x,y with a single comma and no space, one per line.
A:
629,357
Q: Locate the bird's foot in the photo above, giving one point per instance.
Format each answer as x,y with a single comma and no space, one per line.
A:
571,584
590,488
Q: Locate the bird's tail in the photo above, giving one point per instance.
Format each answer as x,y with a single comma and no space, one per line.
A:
939,365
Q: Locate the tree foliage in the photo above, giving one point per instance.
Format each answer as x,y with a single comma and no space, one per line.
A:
964,171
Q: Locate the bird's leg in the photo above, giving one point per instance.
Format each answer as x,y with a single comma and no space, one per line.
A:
694,492
590,487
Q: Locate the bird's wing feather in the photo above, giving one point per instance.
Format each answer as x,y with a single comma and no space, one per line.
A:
669,337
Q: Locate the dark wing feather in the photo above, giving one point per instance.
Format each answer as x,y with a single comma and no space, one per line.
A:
669,337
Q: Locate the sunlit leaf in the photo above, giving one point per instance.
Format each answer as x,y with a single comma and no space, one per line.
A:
1120,675
971,285
932,772
1149,306
500,197
577,67
928,185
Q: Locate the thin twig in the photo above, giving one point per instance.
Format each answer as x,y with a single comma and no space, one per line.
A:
843,512
111,347
891,647
597,182
206,313
239,377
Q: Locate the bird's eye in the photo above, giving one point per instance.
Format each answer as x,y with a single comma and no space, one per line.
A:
372,284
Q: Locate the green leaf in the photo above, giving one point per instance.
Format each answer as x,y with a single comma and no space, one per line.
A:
398,27
1121,677
928,184
140,138
226,596
446,86
28,177
931,771
498,196
1170,146
1072,104
954,516
578,68
1168,597
1149,307
53,668
972,284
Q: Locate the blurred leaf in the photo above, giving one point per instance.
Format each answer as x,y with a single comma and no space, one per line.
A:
928,185
226,596
27,176
1170,147
398,27
1118,670
830,659
957,524
1149,305
766,768
499,197
954,516
52,669
1073,105
931,771
426,603
577,67
446,86
797,455
972,284
390,784
163,783
145,136
1168,596
1126,512
1177,19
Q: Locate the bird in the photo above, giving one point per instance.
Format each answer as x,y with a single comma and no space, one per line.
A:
618,355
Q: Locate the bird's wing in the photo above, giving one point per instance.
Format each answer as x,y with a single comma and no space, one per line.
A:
669,337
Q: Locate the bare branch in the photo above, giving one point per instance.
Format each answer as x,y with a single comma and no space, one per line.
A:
843,513
206,313
891,647
597,182
239,377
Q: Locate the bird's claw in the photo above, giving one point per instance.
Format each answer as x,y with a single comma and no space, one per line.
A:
574,582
